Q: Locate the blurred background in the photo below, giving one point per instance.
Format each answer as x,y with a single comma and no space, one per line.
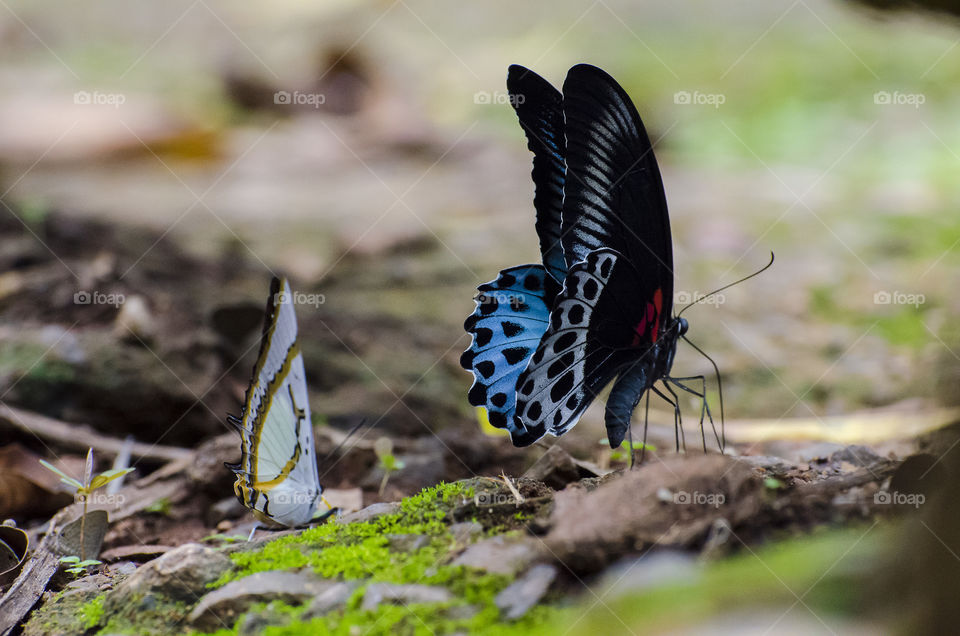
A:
159,162
367,149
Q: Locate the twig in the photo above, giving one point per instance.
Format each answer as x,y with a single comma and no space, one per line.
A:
33,579
82,437
518,498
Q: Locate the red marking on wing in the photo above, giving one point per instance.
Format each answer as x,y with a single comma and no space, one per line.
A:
657,306
650,317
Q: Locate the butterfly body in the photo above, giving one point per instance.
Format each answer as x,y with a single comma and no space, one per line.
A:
276,476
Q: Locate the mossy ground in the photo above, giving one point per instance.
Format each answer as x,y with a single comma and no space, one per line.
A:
362,551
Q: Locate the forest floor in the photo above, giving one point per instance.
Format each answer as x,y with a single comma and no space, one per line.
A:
791,532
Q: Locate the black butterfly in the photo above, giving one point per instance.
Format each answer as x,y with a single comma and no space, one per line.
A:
547,338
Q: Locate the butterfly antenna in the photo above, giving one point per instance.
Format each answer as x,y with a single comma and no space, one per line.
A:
716,372
736,282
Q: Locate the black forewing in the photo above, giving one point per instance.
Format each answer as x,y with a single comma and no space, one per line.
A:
613,190
539,108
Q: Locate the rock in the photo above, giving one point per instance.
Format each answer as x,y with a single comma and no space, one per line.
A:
654,569
370,512
181,575
347,500
773,465
135,552
256,623
628,513
333,598
134,320
222,606
518,597
500,555
856,455
407,542
466,531
555,468
226,508
378,593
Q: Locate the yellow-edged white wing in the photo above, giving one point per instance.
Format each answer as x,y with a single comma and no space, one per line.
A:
277,473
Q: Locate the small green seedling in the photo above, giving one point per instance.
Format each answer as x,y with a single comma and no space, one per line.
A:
77,566
772,483
84,489
161,507
383,447
622,452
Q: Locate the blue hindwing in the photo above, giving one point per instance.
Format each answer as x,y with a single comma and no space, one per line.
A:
511,316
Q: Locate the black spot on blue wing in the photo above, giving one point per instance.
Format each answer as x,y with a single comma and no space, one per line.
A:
497,418
518,305
499,399
478,394
488,303
515,354
532,283
486,368
511,329
483,336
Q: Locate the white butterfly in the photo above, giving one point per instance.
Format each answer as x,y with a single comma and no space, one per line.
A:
277,473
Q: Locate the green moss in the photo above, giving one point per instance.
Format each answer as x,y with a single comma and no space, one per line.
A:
92,612
147,616
905,327
362,551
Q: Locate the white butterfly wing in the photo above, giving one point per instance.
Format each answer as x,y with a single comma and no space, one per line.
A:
277,474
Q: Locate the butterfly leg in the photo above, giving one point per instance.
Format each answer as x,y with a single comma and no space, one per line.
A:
677,421
646,420
677,415
704,406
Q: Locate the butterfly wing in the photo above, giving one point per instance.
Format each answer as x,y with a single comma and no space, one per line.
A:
509,320
539,108
613,191
617,297
277,474
596,331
